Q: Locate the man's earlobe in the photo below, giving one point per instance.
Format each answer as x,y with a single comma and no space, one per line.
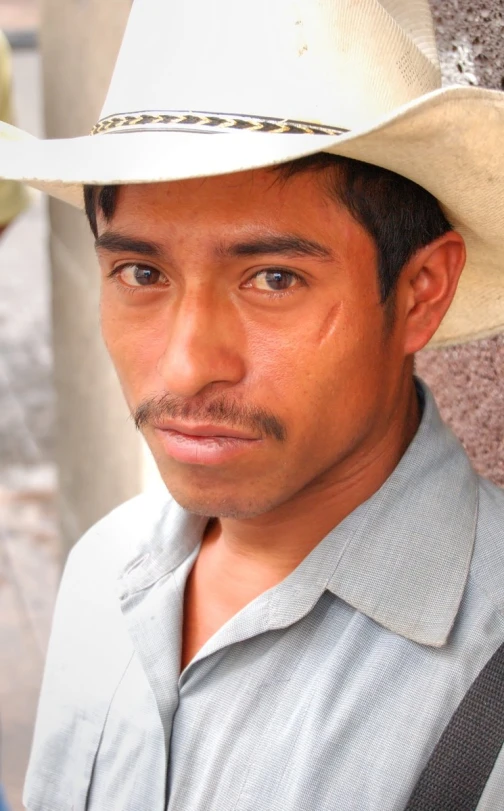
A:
431,278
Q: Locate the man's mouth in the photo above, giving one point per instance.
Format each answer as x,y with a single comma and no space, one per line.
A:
203,444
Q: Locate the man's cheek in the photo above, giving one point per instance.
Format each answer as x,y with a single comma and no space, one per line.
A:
130,341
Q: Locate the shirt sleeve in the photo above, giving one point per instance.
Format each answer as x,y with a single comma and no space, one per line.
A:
13,195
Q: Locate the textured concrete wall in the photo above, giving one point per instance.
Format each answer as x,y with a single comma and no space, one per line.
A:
469,380
98,451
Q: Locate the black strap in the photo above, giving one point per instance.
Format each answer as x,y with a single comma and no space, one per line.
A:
460,765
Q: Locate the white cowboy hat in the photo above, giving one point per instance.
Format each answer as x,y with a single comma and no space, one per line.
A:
204,88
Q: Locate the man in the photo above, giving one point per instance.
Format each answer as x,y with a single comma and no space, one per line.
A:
13,198
295,625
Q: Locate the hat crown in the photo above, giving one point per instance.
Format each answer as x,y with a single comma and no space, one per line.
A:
334,62
415,19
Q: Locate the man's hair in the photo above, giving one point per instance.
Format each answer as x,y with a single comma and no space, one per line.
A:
400,216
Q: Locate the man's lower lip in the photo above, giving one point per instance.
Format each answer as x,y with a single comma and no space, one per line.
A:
202,450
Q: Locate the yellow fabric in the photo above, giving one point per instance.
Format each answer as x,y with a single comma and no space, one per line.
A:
13,196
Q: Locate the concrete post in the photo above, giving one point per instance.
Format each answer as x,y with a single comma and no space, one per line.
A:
469,380
99,455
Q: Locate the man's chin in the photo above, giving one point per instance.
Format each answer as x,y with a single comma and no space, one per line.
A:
220,505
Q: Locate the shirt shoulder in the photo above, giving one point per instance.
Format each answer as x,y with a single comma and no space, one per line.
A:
487,567
120,538
89,651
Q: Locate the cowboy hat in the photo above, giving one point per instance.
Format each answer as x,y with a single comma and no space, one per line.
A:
205,88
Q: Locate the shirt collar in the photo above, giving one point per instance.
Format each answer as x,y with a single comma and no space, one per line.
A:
406,559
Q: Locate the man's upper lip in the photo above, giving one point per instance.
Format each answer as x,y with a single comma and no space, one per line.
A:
203,430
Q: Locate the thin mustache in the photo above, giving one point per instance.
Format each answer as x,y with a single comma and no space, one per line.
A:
225,413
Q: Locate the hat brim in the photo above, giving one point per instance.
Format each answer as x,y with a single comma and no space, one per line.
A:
450,141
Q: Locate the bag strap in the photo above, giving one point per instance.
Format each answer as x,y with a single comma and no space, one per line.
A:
460,765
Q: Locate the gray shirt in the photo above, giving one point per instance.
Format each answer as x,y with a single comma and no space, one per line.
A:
326,693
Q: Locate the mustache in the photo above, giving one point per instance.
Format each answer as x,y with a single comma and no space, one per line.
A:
223,412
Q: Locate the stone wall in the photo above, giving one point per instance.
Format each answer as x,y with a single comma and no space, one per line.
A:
469,380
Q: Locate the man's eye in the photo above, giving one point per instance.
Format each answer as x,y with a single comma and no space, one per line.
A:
139,275
274,280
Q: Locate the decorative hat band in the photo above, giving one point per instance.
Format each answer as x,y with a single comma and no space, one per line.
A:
207,122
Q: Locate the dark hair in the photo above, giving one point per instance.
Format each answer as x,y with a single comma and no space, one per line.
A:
400,216
103,197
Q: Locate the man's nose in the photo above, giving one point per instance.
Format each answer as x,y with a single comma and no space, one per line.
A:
203,345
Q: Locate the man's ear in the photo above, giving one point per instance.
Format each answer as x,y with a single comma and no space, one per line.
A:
427,286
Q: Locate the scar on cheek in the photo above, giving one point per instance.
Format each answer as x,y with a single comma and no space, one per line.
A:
328,327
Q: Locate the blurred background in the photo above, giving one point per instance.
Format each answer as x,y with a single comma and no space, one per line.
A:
68,451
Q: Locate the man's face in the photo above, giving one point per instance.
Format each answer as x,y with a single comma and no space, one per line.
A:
247,333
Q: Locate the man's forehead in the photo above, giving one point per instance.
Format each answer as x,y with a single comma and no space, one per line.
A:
254,185
146,221
253,206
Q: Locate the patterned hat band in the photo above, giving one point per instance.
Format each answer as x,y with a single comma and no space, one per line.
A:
207,122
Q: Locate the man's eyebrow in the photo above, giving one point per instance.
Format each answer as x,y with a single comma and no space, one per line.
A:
119,243
287,244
